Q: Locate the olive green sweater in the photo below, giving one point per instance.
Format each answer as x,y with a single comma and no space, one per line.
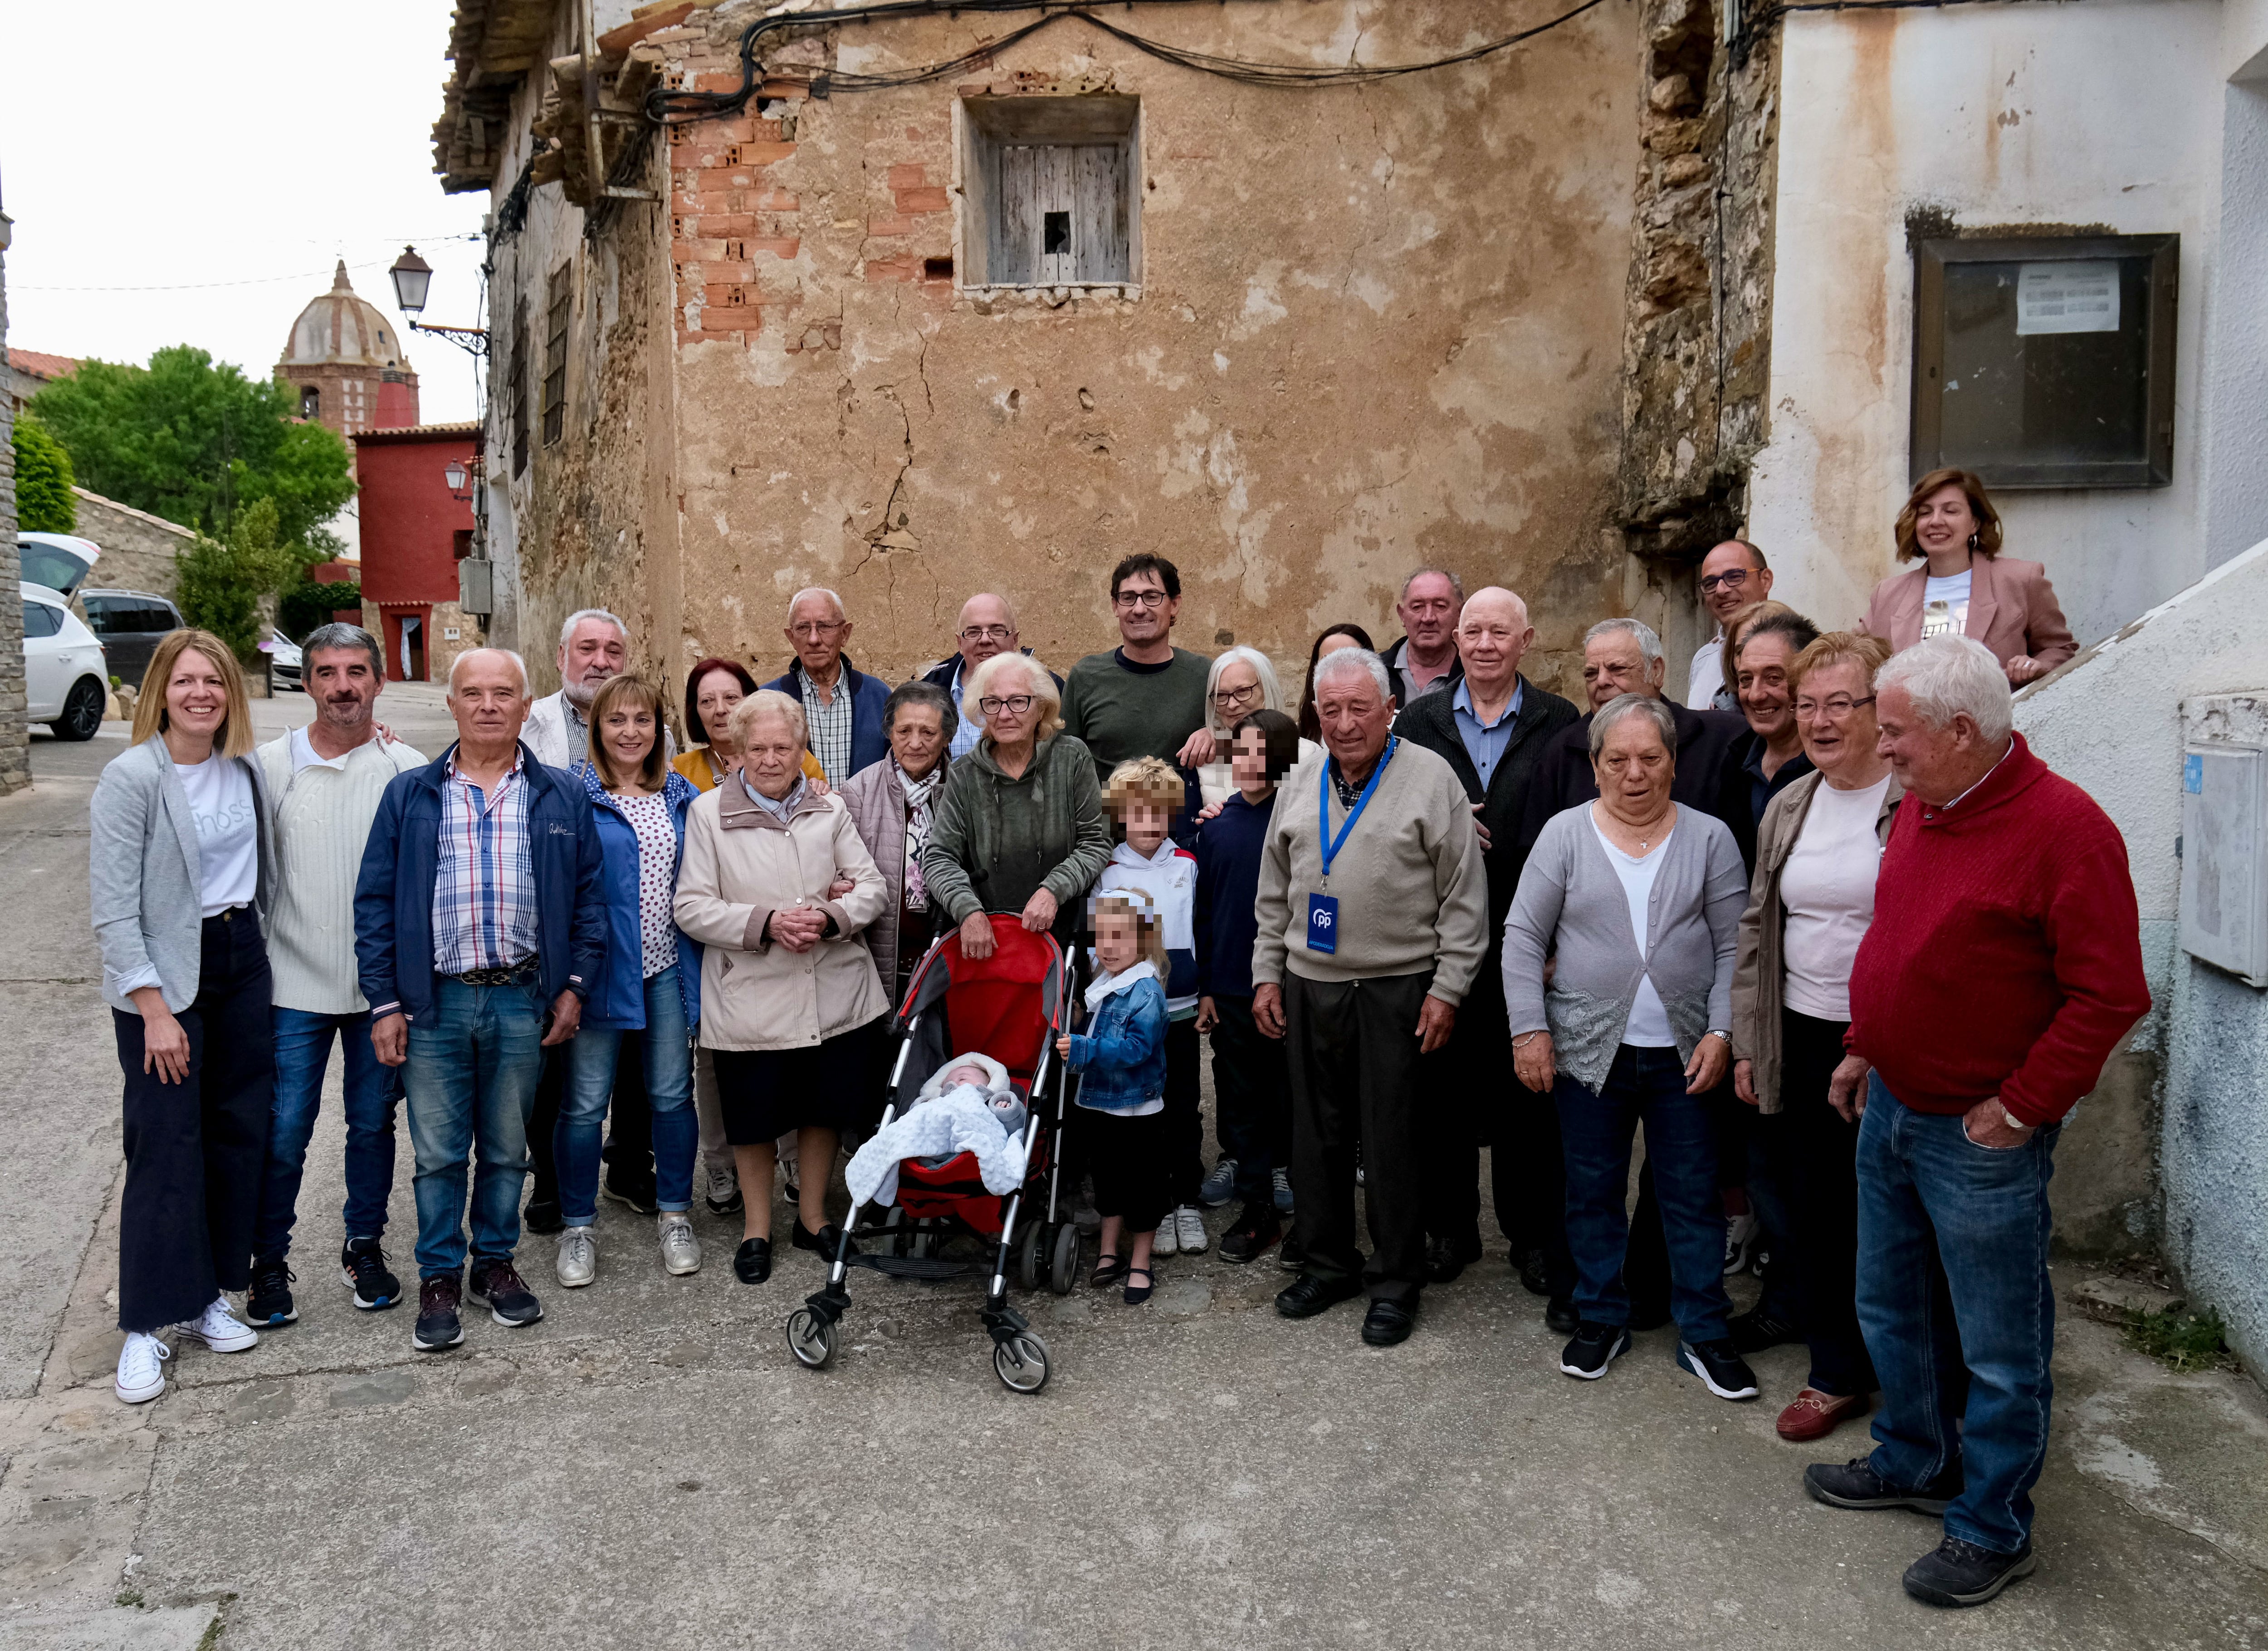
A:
995,840
1411,888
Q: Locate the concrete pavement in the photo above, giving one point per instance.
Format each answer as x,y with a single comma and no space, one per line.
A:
649,1465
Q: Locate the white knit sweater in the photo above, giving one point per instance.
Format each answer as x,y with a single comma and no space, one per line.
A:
322,820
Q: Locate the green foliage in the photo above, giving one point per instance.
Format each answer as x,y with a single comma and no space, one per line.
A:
44,503
197,443
224,580
2186,1340
309,604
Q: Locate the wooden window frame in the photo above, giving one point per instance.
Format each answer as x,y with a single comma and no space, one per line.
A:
1097,134
558,310
1926,452
515,385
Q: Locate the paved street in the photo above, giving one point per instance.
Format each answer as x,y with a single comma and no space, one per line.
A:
649,1466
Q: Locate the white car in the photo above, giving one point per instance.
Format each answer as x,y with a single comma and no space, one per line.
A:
66,677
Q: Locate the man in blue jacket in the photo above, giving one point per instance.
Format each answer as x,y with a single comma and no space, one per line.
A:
841,706
480,924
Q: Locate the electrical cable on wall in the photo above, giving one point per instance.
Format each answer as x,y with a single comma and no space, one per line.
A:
671,107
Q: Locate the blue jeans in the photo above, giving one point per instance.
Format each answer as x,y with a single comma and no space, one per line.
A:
1648,1086
668,1088
474,1063
1928,1193
373,1092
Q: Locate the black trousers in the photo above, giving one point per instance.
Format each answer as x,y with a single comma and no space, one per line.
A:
1184,1113
1356,1078
630,1120
1252,1098
1131,1159
194,1150
1814,1157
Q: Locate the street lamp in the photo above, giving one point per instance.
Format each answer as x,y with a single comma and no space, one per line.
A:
456,476
412,278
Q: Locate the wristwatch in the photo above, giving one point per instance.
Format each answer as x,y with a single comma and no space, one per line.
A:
2016,1123
1716,1032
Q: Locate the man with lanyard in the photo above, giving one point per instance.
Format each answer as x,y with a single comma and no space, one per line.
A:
1369,934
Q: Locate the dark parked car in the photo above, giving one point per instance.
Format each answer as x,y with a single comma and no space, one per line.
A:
130,624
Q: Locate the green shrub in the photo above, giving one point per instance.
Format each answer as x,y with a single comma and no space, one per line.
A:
44,500
2186,1340
223,582
309,604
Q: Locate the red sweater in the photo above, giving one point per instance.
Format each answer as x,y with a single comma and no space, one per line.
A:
2006,954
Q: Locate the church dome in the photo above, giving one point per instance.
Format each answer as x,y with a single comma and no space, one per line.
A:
342,328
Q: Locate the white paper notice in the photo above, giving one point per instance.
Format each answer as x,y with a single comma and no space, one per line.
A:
2066,298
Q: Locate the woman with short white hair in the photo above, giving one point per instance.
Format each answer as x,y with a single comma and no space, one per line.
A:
1241,681
1020,827
790,1000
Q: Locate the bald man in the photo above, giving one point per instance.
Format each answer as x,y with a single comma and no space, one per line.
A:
987,626
1492,727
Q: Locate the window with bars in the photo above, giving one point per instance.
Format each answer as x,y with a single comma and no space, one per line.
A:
1048,191
558,302
516,386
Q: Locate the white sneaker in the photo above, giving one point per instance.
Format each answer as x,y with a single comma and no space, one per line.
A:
681,1251
221,1329
1743,1234
1167,1240
724,1189
579,1257
141,1368
1189,1222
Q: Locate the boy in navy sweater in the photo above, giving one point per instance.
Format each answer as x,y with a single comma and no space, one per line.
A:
1252,1092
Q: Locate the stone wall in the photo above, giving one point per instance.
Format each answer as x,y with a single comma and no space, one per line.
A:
15,732
140,552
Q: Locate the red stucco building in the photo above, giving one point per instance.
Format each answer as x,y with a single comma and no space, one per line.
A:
416,508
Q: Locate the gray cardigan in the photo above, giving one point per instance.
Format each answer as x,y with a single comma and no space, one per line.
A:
145,877
1571,902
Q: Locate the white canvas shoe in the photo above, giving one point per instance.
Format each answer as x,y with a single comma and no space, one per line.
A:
141,1368
221,1329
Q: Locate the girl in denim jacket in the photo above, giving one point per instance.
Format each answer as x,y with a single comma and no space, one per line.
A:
1120,1059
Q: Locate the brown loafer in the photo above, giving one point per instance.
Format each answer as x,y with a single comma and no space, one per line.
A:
1814,1415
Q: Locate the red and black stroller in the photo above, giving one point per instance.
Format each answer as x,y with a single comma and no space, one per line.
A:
1010,1006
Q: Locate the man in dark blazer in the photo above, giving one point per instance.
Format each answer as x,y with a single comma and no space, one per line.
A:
1493,726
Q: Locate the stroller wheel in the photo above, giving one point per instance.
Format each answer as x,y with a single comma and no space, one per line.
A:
1021,1362
1027,1256
1063,1264
810,1338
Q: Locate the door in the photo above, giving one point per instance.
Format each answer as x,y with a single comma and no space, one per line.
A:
412,650
43,663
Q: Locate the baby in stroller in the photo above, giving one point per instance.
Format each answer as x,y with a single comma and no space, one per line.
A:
985,1081
968,1105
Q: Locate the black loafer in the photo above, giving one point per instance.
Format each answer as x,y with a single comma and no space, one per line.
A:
752,1262
1388,1323
1445,1260
1559,1314
824,1242
542,1216
1536,1275
1307,1295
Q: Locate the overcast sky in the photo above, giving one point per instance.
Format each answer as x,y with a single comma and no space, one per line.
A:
168,149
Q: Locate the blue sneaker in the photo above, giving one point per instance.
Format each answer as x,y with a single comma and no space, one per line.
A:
1219,1187
1281,1181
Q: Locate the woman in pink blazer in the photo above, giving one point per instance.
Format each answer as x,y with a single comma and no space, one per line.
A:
1965,586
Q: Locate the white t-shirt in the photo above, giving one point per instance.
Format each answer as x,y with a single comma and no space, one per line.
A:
1827,886
1707,675
1649,1021
1953,592
228,831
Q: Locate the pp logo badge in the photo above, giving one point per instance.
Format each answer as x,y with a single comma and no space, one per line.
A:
1324,923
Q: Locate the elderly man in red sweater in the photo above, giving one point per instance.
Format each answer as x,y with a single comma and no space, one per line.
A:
2003,967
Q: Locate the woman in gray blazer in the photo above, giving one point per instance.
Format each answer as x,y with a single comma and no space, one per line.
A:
181,869
1640,898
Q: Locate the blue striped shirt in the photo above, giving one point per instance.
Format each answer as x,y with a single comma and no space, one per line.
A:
484,904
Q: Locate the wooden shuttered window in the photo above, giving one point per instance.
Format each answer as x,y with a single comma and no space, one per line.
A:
1062,215
560,301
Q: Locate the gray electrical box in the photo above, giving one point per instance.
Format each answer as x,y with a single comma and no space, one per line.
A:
477,586
2224,903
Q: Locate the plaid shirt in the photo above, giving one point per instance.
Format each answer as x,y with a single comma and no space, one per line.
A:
830,726
484,907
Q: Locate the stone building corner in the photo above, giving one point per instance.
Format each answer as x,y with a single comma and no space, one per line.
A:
15,732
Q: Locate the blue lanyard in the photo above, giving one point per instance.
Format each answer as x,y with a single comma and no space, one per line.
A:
1331,847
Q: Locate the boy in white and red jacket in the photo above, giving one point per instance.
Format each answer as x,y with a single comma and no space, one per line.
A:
1143,796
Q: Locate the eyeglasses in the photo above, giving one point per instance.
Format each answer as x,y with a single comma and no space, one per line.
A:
1139,598
1731,582
814,631
1836,708
1015,704
1228,699
987,633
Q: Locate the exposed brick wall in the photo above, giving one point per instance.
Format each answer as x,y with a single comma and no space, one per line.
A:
140,552
15,733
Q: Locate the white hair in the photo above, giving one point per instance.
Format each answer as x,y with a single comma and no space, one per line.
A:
1272,696
518,664
801,596
1623,705
1340,661
1648,643
567,631
1948,676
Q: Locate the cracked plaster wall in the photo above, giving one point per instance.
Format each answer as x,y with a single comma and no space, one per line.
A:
1375,328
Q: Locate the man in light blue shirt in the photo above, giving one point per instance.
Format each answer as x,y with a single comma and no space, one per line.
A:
1486,743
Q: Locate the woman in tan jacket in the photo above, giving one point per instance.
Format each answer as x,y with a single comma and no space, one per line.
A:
1810,905
790,1001
1965,586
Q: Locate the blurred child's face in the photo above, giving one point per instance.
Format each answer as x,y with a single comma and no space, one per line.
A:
1118,940
965,1075
1249,761
1148,824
